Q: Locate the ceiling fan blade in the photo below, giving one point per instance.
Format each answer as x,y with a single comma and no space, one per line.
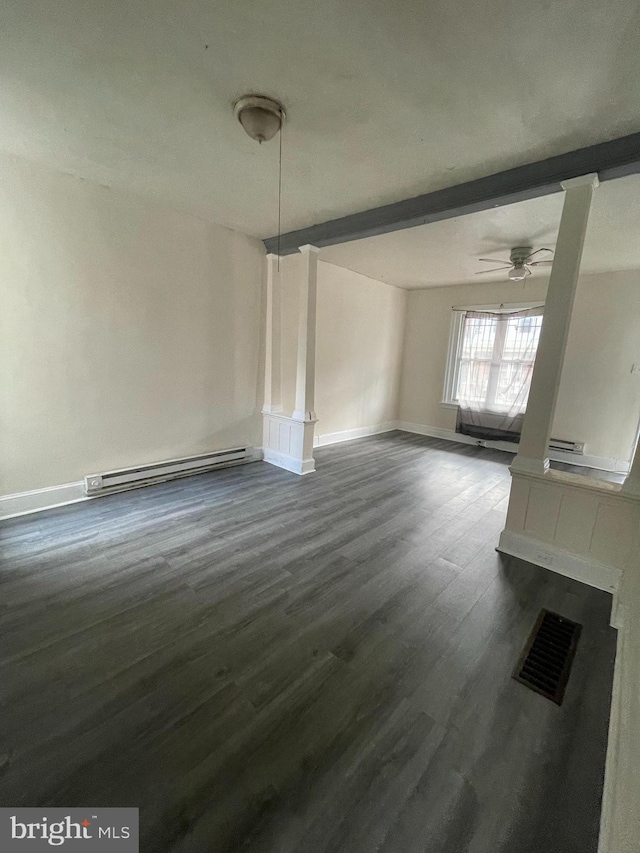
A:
541,263
493,260
497,269
527,271
536,252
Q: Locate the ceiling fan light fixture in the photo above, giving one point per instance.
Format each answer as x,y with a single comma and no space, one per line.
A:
517,273
519,263
261,117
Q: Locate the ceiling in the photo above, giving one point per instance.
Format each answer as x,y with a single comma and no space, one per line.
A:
447,252
386,99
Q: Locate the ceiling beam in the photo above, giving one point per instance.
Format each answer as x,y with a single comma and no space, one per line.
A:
614,159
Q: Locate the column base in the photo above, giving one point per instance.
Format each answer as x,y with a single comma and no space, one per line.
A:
288,442
529,466
631,487
304,417
289,463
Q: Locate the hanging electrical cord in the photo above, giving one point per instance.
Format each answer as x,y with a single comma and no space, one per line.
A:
262,117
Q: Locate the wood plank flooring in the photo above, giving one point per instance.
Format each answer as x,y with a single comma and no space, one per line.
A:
268,663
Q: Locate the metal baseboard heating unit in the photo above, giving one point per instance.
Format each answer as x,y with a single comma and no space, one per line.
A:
158,472
576,447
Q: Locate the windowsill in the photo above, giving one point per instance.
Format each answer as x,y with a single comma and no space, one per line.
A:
447,405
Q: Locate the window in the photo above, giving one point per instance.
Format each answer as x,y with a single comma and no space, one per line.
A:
491,357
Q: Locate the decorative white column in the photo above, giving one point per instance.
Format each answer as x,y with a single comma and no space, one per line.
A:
306,369
272,362
536,431
288,440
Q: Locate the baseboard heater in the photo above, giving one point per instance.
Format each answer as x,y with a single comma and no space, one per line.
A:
576,447
158,472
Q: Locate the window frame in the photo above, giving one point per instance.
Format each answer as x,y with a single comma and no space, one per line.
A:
452,369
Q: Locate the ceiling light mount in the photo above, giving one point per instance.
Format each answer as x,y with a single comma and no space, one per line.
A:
518,272
519,265
260,116
519,255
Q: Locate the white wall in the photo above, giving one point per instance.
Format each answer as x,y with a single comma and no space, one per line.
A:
599,397
358,350
360,330
130,332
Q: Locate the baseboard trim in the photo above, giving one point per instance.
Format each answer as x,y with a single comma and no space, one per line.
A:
37,500
602,463
289,463
351,434
24,503
595,574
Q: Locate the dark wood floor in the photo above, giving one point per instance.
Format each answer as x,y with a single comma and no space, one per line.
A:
264,662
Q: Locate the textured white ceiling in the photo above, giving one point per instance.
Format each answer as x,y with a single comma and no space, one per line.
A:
386,98
447,252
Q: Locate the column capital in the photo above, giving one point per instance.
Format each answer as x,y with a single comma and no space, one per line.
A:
308,248
590,180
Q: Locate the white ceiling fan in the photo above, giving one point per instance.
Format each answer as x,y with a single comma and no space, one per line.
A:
519,263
